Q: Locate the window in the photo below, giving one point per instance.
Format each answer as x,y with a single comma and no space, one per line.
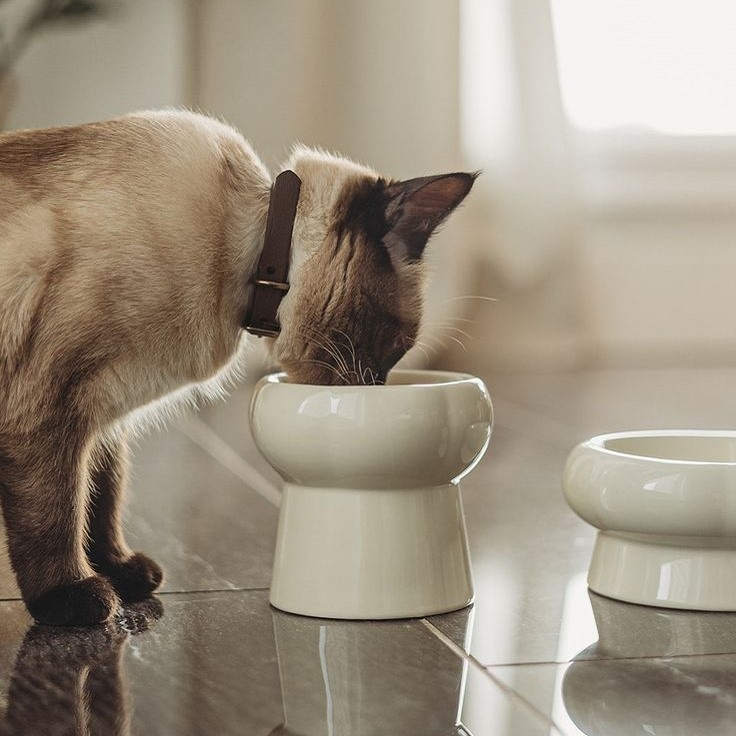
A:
650,90
668,66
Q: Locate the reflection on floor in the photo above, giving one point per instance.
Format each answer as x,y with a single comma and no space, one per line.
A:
536,654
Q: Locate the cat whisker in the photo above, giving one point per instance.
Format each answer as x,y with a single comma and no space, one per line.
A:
363,372
350,345
459,319
454,339
332,368
372,376
456,329
323,363
470,296
335,348
420,346
435,338
330,348
343,333
426,346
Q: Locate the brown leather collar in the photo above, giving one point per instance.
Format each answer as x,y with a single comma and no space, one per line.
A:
271,280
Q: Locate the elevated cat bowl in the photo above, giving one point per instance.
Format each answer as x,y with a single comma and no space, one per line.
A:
371,522
665,505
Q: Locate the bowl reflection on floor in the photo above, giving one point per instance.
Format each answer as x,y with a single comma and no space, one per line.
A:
650,673
682,696
375,678
630,630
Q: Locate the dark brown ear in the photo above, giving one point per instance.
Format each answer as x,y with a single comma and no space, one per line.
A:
416,208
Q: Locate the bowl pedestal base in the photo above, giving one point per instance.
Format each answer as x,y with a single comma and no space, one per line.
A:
658,570
371,554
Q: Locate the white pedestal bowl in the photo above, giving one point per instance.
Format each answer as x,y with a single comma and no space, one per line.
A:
371,523
665,506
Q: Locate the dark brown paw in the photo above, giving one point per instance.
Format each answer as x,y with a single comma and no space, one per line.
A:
84,603
135,578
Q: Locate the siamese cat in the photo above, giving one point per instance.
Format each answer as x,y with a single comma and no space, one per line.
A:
127,248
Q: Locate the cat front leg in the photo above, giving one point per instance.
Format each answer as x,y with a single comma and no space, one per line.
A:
134,575
44,494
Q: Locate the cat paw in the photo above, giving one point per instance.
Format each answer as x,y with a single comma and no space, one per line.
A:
134,579
83,603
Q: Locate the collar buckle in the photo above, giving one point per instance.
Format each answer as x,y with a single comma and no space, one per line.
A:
281,285
264,331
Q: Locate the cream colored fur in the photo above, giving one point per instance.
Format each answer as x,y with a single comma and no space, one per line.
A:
156,227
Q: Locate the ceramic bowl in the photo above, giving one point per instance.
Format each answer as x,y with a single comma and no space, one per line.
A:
371,522
665,504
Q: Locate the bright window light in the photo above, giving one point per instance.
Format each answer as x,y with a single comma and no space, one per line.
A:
665,65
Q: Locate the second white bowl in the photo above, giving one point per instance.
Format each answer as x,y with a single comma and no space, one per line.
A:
665,504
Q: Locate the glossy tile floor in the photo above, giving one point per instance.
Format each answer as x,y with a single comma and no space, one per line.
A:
536,654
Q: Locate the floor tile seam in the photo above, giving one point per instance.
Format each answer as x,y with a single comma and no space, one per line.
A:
534,663
199,432
509,692
514,693
562,662
656,658
214,590
245,589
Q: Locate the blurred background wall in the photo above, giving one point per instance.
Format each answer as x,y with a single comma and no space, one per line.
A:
603,225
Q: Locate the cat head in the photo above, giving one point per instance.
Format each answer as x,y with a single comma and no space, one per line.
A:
357,273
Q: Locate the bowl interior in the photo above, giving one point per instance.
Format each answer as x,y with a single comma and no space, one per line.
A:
693,448
401,377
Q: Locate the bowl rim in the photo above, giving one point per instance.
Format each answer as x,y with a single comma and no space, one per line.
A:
452,378
598,444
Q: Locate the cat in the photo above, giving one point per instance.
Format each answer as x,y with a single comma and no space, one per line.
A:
126,251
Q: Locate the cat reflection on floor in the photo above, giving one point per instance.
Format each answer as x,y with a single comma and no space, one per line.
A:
72,681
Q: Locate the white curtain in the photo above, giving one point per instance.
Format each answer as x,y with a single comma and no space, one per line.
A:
514,126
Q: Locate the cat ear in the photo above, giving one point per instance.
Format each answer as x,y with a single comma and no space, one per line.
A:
416,208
